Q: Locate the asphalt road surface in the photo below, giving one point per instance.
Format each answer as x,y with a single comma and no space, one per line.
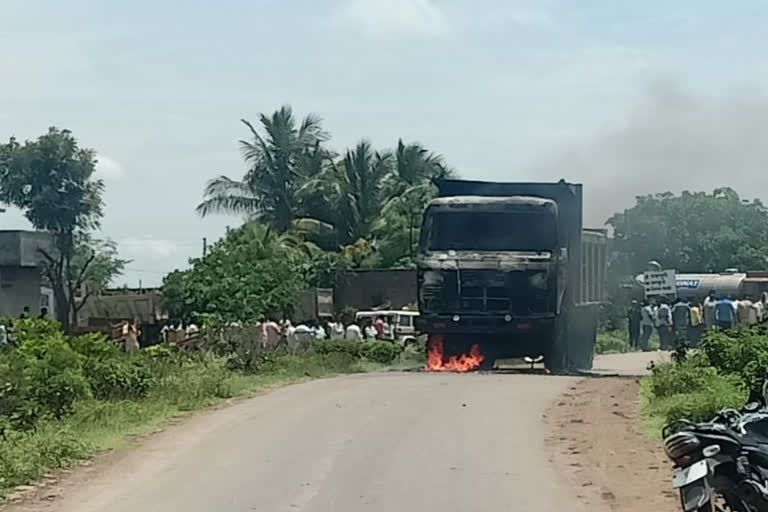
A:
377,442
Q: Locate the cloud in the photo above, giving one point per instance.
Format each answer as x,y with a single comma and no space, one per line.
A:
527,17
671,141
147,248
108,168
394,19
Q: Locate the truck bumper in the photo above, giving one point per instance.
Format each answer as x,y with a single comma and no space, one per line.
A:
483,324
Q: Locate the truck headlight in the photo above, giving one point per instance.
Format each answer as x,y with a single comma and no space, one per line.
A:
539,280
433,277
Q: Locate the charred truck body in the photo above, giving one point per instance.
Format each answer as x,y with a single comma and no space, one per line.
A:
509,267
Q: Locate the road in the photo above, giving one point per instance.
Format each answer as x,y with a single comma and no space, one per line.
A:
377,442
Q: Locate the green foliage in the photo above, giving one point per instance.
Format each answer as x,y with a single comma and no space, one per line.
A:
31,329
688,377
742,352
55,374
692,232
702,405
250,273
352,348
18,408
278,162
729,366
383,352
26,455
326,269
612,342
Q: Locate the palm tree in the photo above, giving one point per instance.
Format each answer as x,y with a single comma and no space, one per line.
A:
410,186
279,162
350,194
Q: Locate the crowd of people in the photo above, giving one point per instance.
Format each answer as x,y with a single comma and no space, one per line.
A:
272,332
680,321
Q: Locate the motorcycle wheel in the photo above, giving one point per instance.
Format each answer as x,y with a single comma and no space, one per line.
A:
724,503
727,503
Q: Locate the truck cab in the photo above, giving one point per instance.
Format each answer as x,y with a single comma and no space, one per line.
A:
489,264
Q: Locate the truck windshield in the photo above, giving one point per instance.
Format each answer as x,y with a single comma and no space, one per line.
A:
491,231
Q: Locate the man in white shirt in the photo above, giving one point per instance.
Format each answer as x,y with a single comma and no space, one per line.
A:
647,323
353,333
303,334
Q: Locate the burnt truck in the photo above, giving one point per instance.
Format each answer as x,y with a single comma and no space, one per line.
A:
509,267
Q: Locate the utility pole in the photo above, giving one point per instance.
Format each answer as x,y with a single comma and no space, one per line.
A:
205,246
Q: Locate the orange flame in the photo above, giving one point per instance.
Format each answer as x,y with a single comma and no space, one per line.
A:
462,363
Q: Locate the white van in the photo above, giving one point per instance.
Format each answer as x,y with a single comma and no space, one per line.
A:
401,324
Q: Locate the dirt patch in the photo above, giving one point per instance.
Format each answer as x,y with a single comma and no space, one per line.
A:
597,441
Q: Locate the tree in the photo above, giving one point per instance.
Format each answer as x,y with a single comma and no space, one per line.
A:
352,190
279,163
252,272
97,263
52,181
410,187
692,232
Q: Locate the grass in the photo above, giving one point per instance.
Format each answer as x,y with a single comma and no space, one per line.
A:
690,390
97,425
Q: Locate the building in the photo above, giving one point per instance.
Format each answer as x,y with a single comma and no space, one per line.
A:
21,261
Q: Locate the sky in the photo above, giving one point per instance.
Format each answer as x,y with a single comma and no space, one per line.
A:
628,98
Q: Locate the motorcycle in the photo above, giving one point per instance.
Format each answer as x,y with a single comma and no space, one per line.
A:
723,463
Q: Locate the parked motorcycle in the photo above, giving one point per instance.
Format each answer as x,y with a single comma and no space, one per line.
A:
722,464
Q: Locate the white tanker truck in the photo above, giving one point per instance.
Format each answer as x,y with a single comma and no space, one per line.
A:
731,283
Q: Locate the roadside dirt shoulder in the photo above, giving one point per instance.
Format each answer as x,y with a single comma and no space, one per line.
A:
597,442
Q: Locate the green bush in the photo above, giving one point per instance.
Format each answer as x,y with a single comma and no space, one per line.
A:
383,352
612,342
26,456
31,329
742,352
690,376
112,373
55,374
351,348
18,409
120,379
192,382
721,391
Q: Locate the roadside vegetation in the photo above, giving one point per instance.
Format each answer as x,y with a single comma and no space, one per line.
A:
64,398
730,367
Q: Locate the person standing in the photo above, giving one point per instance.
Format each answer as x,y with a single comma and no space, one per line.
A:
271,333
725,313
337,329
681,320
25,313
303,334
353,333
319,331
664,324
370,330
709,310
633,324
647,323
379,325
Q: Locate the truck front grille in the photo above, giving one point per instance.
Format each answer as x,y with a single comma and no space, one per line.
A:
485,291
